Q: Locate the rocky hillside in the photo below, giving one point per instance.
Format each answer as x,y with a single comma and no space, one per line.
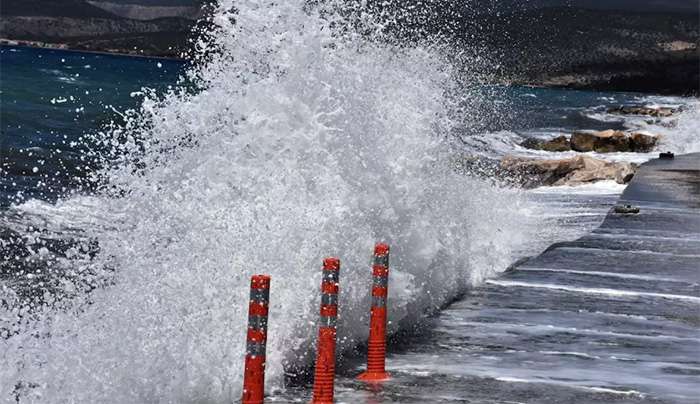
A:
600,49
554,46
148,12
80,24
52,8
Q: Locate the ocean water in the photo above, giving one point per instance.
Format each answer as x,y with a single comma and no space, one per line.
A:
52,102
135,208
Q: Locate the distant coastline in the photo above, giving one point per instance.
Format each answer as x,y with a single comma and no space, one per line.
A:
559,47
595,78
65,47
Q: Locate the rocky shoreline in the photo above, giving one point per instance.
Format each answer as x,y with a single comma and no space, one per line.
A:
67,47
573,170
606,141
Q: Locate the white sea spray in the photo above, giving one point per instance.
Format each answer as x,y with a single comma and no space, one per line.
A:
302,141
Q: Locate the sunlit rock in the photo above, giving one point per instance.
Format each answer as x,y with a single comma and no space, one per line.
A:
568,171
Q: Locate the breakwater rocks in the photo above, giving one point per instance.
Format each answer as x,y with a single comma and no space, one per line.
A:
571,171
607,141
580,169
659,112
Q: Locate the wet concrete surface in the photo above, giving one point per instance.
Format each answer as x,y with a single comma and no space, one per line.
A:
613,317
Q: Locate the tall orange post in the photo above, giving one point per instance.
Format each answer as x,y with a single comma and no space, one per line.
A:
254,375
376,346
324,375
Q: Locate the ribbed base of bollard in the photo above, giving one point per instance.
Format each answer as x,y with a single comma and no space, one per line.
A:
374,377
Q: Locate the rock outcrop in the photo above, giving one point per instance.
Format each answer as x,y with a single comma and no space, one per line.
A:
558,144
642,142
609,141
569,171
658,112
602,142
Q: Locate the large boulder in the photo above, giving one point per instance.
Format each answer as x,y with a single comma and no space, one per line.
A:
609,141
568,171
558,144
642,142
659,112
596,170
602,142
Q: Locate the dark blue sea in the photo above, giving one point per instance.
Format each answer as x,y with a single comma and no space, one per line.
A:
52,99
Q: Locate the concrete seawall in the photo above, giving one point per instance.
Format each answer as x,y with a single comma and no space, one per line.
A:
612,317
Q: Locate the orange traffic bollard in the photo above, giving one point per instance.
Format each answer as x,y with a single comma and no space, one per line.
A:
254,376
376,347
324,374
